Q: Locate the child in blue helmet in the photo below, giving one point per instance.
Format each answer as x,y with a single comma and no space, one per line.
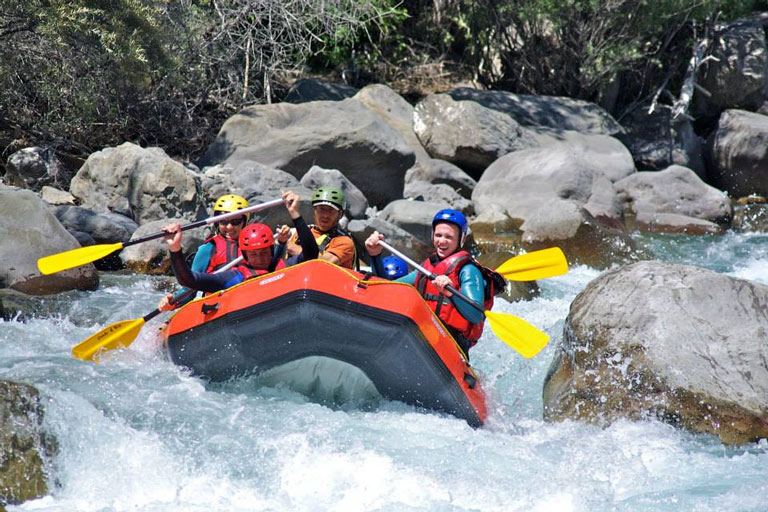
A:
453,266
393,267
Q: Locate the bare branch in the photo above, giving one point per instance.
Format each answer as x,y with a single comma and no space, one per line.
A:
680,108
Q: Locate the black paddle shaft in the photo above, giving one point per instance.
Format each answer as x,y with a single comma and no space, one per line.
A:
209,220
431,276
174,300
464,298
161,234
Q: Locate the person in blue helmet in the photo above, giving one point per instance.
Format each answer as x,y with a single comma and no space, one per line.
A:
453,266
393,267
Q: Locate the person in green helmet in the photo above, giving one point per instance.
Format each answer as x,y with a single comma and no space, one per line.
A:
334,244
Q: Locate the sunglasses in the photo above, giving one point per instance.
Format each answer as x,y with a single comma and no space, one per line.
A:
237,221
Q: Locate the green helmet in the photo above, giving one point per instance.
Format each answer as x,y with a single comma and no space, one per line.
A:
331,196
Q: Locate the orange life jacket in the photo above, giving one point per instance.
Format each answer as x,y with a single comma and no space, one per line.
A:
225,250
323,240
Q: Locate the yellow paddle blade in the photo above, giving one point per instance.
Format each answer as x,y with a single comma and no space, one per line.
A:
76,257
118,334
535,265
517,333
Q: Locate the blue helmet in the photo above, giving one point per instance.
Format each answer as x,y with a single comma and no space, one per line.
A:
454,217
394,267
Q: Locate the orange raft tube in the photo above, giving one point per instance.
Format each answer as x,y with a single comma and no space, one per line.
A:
315,308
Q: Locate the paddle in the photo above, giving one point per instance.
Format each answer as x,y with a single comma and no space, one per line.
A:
534,265
82,255
122,334
514,331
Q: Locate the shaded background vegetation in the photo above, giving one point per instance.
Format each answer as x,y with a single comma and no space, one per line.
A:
78,75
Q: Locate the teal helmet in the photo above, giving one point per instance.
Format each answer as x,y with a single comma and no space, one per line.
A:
330,196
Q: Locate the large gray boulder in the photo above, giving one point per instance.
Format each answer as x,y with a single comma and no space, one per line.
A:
25,448
104,228
554,112
35,167
153,257
467,133
396,112
144,184
317,177
415,217
554,195
90,228
440,172
736,78
248,179
56,197
344,135
671,201
313,89
738,154
656,140
258,183
440,194
603,151
30,231
673,342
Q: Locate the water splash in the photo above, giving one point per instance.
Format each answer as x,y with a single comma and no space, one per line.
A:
138,433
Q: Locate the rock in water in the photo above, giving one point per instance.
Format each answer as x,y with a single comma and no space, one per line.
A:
679,343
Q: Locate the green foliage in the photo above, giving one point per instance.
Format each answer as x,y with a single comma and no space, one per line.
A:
168,72
574,48
734,9
162,72
72,63
338,50
125,30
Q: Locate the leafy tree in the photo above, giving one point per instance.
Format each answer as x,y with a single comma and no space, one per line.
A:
164,72
69,68
578,48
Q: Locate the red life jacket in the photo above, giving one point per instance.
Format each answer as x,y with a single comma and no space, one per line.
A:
443,307
248,272
224,251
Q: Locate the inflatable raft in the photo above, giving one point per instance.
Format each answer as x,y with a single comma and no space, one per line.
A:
317,309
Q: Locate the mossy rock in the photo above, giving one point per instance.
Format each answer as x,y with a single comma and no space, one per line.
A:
25,449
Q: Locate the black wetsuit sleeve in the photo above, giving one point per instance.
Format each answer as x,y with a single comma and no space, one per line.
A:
277,255
199,280
309,250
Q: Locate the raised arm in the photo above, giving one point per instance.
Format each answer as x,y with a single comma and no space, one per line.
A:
309,250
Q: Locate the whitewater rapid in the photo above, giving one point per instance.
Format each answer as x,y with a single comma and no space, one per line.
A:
138,433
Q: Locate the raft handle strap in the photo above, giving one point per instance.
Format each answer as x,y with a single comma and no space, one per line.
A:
210,308
362,282
470,380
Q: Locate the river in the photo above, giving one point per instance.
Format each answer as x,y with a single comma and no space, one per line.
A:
137,433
